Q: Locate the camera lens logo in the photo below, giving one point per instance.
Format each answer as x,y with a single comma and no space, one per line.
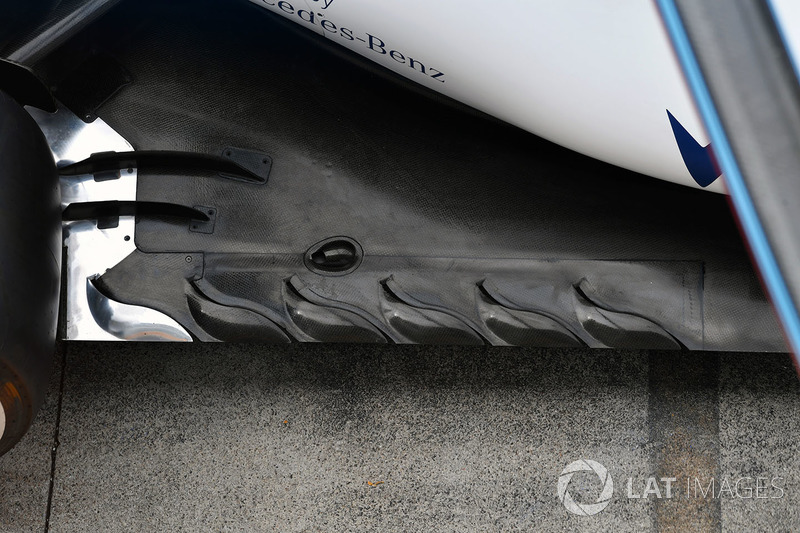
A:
585,509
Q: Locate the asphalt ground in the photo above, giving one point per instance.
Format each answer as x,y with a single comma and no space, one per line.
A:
153,437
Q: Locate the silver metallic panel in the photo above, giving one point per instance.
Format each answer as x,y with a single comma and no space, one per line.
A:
132,322
90,250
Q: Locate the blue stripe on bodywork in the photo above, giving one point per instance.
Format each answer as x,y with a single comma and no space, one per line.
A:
740,196
699,160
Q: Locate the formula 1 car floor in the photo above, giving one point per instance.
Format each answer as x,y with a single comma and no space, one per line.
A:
462,230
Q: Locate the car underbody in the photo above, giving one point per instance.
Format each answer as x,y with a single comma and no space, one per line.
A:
286,190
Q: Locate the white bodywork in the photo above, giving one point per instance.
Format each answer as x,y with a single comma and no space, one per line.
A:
787,13
596,76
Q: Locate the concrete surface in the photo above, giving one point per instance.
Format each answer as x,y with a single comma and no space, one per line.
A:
357,438
25,470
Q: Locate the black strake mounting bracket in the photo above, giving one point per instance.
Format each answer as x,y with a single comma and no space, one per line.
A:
107,213
234,163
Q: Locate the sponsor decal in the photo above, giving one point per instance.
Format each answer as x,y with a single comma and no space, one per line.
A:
369,42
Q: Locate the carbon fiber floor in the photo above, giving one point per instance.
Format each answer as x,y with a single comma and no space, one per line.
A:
415,180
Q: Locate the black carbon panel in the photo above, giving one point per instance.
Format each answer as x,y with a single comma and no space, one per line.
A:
357,155
600,304
404,173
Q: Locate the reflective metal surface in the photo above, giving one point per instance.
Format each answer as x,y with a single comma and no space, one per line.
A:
90,250
72,139
132,322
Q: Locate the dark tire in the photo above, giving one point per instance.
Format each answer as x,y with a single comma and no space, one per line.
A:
30,269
